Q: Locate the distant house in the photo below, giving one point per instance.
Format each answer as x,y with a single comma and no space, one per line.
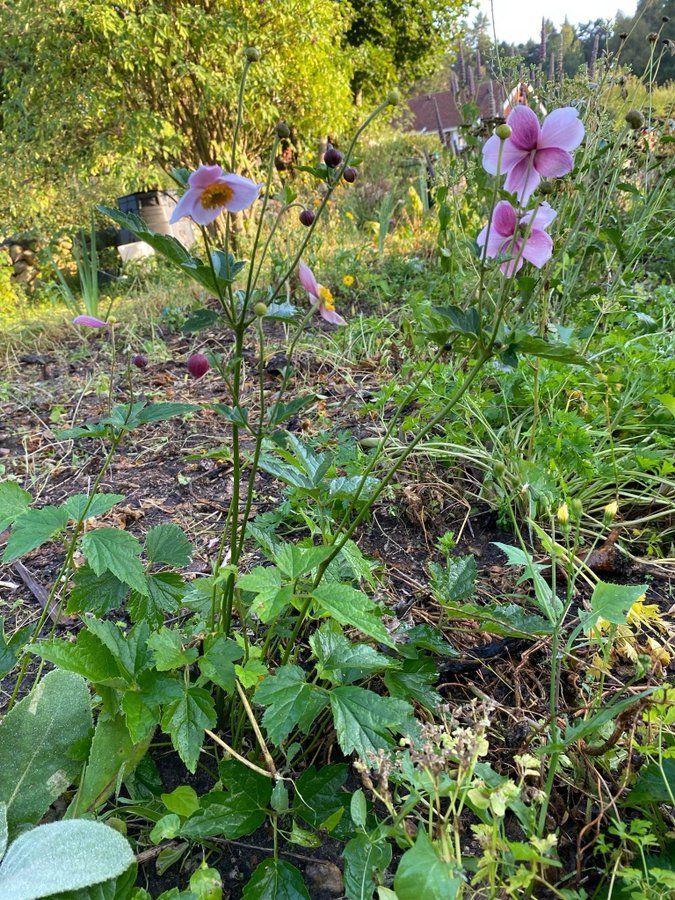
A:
440,113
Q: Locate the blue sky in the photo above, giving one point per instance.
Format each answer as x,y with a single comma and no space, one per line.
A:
517,21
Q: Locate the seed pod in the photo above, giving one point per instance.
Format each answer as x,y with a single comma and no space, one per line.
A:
198,365
306,217
140,360
503,131
260,309
332,157
350,174
635,119
652,37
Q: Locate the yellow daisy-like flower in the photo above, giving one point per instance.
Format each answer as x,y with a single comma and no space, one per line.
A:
349,215
348,280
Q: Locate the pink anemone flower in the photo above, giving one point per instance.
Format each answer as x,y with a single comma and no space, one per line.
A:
320,295
210,191
89,321
509,236
533,151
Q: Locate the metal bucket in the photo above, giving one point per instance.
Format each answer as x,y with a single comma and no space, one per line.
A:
155,208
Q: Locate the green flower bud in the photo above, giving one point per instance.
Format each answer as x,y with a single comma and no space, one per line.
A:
282,130
503,131
260,309
394,97
499,468
252,54
577,508
609,512
546,187
563,514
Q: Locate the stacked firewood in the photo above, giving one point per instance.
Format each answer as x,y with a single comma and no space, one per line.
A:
21,255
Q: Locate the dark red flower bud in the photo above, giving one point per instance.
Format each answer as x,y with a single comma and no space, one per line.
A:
198,365
332,158
307,217
350,174
140,360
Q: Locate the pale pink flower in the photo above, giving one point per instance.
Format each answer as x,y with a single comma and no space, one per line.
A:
211,191
89,321
533,151
508,233
320,295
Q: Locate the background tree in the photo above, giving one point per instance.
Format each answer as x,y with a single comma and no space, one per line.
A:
392,41
636,49
98,96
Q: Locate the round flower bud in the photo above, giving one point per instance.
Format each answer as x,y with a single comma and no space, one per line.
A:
563,514
499,468
260,309
198,365
635,119
652,37
577,508
665,19
503,131
350,174
332,157
306,217
282,130
140,360
609,512
623,35
394,97
252,54
546,187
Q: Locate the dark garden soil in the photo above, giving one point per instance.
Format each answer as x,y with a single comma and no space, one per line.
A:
173,471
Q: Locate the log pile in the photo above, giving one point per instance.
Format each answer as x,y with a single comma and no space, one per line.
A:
21,255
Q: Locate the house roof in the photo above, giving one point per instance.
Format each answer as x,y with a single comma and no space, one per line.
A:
423,107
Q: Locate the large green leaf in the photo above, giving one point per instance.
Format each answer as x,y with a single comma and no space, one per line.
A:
165,593
341,661
130,649
290,701
296,561
33,528
366,859
62,856
113,756
185,719
612,602
365,721
457,581
14,501
167,544
36,736
116,551
10,646
217,663
319,795
98,504
422,873
536,346
239,809
275,879
98,594
354,609
87,657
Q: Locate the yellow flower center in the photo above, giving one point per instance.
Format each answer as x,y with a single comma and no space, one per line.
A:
215,195
326,299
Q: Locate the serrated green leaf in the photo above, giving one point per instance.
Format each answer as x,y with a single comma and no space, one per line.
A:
341,661
346,488
217,663
464,321
296,561
416,680
536,346
364,721
97,594
116,551
289,700
185,719
11,646
14,501
278,413
319,798
165,593
457,581
167,544
275,879
160,412
353,609
201,318
34,528
167,647
87,657
100,504
130,650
